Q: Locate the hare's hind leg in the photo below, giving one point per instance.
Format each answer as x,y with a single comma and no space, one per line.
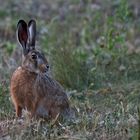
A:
54,113
18,111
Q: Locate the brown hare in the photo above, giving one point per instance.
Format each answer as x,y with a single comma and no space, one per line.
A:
31,88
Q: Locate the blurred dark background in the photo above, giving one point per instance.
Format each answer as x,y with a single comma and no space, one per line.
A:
83,39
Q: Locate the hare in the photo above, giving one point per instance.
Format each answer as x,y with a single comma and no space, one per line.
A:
31,88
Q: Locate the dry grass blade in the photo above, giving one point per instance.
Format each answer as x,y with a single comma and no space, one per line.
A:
138,123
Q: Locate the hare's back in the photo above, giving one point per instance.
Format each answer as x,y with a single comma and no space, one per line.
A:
56,96
47,87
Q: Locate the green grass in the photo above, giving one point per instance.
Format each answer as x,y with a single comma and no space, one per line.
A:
6,109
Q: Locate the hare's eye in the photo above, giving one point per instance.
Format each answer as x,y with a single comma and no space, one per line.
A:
34,56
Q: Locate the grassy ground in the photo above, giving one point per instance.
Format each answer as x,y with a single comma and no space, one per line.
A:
93,50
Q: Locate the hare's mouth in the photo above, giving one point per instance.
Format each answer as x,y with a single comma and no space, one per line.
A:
44,68
40,71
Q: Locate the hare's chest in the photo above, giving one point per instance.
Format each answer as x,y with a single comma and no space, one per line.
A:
22,84
22,81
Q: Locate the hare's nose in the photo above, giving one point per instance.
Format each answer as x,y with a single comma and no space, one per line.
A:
44,68
47,66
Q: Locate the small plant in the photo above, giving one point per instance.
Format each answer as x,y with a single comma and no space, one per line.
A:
6,107
9,47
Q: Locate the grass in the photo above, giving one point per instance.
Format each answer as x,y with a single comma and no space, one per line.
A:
105,113
93,50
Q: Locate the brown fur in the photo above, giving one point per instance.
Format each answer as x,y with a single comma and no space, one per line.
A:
21,90
31,88
52,96
38,93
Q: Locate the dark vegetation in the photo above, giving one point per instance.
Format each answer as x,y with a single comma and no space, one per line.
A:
93,47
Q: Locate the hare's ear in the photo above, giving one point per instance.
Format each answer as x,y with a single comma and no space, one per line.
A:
32,32
22,35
